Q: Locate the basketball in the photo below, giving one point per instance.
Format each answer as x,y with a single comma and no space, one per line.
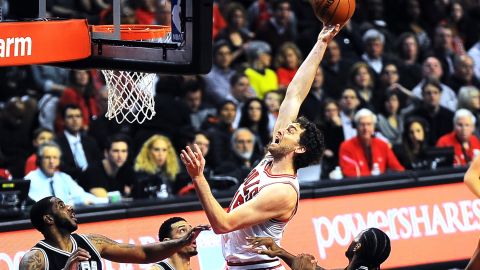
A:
332,12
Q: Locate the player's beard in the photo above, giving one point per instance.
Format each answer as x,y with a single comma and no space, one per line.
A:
278,150
66,224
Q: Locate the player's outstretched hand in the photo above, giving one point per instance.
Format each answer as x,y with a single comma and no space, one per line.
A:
304,262
77,256
328,33
271,248
193,233
193,160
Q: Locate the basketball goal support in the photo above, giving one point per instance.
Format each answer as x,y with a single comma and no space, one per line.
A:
193,55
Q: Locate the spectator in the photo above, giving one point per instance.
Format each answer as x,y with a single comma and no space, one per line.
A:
390,123
374,44
335,70
156,168
262,78
79,150
466,145
255,118
272,101
113,172
242,155
443,49
52,81
236,34
411,152
221,129
145,12
462,73
349,104
40,136
311,107
358,155
280,28
193,98
331,126
431,68
81,93
287,61
409,55
175,228
363,81
412,22
469,98
219,22
240,92
389,83
16,125
48,180
217,81
474,52
430,109
163,12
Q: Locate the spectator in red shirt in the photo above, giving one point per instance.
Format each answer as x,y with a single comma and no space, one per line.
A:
465,144
359,154
81,93
287,61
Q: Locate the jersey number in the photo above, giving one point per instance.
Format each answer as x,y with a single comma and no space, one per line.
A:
88,266
249,190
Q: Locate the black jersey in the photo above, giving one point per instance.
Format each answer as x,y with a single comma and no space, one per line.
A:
165,265
56,258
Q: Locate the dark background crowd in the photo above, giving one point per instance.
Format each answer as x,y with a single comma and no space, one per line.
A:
413,65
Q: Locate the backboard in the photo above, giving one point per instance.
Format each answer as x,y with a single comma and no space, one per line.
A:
188,50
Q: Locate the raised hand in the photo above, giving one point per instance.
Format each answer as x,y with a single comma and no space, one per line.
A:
271,248
194,161
328,33
193,233
304,262
77,256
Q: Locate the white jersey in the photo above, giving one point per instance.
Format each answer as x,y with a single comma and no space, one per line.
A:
233,243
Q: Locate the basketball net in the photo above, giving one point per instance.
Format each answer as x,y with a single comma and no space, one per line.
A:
131,93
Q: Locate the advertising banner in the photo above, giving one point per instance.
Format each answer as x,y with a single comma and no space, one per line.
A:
426,225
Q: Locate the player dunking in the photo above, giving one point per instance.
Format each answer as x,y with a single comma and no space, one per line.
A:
268,197
61,249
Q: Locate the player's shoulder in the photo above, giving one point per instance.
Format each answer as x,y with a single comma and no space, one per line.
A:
34,259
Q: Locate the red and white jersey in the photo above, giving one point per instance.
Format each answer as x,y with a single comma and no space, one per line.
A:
233,243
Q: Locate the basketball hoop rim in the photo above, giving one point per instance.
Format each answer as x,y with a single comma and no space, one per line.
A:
134,32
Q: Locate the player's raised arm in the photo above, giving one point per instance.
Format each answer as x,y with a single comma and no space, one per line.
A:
300,85
128,253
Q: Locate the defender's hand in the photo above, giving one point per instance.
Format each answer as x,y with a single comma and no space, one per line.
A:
193,233
77,256
194,161
271,248
328,33
304,262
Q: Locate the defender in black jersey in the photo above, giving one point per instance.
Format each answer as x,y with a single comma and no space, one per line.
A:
174,228
63,250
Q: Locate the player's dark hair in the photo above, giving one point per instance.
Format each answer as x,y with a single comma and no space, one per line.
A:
39,209
165,230
312,139
375,248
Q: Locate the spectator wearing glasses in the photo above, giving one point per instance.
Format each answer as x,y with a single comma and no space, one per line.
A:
243,155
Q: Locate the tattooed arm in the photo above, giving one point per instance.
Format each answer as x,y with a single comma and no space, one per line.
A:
128,253
32,260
